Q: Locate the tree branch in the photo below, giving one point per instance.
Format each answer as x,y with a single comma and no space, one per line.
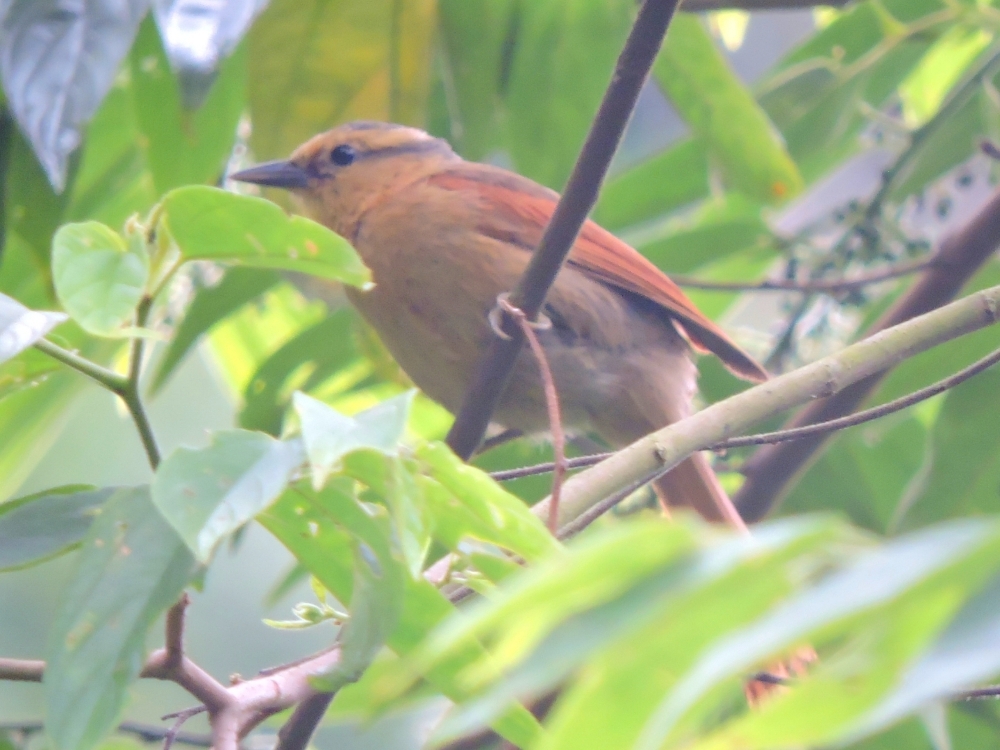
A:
771,470
660,451
578,199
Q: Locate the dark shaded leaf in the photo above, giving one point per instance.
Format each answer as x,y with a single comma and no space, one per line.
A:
40,526
208,493
211,224
132,566
209,306
57,61
198,36
21,327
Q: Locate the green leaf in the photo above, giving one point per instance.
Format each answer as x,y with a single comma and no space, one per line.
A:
99,277
39,527
696,76
132,566
490,512
21,327
329,435
660,184
313,526
182,146
210,305
563,59
303,362
313,64
211,224
208,493
473,34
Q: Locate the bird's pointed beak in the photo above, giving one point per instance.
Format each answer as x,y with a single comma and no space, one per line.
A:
282,174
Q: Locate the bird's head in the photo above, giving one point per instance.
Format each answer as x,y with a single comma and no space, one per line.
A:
336,175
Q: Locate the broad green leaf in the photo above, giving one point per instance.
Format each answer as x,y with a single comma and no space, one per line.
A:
696,76
208,493
903,593
315,63
210,305
132,566
692,599
40,526
99,276
563,57
925,88
305,361
473,34
21,327
183,146
329,435
211,224
72,54
655,187
501,516
313,526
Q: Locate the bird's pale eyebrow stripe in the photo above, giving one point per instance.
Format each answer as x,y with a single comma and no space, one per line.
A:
430,145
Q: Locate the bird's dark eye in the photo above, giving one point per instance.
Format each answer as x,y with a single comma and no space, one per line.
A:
343,155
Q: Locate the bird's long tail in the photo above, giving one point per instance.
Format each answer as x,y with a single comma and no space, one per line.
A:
692,482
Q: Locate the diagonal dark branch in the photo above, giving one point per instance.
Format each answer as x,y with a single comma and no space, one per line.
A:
581,192
771,471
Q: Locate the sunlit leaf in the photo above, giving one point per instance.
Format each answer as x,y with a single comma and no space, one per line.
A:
208,493
211,224
329,435
99,276
21,327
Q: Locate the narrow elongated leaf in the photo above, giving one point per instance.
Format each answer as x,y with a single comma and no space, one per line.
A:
21,327
183,147
329,435
199,35
211,224
131,568
709,96
38,527
208,493
312,356
563,57
210,305
99,277
57,61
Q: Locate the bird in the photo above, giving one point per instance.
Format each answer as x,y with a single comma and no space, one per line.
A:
444,237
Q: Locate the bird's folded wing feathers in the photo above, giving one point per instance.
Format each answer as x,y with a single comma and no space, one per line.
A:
517,212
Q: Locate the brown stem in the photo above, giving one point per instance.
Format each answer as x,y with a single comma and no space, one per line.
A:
770,472
578,199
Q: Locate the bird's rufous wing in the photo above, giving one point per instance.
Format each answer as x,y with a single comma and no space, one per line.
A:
517,211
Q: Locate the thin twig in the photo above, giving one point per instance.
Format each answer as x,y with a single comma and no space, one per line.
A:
867,415
580,462
828,286
990,691
579,197
551,404
181,717
104,377
131,395
22,670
